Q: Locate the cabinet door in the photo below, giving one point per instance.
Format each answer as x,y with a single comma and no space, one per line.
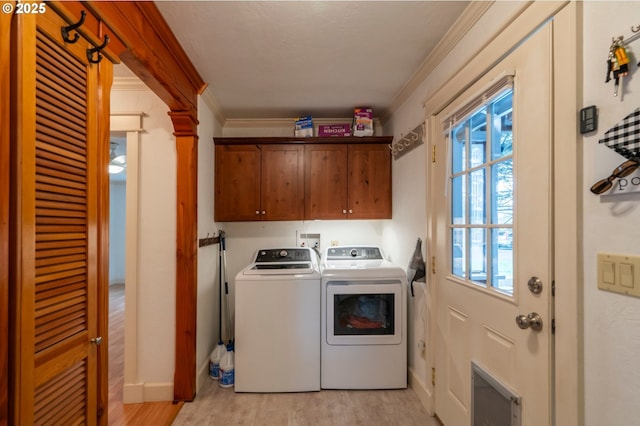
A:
237,184
55,216
369,181
282,182
325,181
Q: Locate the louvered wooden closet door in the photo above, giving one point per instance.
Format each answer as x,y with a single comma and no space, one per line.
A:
56,210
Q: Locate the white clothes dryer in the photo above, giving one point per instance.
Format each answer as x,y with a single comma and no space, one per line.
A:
364,320
277,322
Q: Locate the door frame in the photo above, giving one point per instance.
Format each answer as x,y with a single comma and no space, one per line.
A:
566,353
131,125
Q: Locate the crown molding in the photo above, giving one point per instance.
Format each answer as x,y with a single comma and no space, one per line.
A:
128,83
460,28
283,122
214,106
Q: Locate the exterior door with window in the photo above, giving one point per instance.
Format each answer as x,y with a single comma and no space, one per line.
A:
492,236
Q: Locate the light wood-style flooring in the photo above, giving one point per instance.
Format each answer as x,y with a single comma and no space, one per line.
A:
223,407
149,413
216,406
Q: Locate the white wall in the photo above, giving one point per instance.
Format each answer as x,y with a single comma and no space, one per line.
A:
611,336
208,290
156,243
117,230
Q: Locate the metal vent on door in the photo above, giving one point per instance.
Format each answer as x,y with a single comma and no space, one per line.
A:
492,403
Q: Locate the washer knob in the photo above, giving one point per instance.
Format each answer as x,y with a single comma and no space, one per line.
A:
353,252
283,253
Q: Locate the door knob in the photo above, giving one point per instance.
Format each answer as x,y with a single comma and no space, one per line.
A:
533,321
96,341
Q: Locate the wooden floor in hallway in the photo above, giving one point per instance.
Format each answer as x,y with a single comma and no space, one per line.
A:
149,413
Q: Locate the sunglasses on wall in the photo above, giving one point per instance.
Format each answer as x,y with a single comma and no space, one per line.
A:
624,169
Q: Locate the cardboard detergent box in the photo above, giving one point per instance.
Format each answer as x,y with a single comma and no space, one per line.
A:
334,130
303,127
362,122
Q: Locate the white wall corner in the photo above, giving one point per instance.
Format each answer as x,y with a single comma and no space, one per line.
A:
214,106
419,387
460,28
203,375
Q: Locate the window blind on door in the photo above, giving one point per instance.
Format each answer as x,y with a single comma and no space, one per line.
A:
495,88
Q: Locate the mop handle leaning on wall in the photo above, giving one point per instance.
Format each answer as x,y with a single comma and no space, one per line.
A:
223,242
221,235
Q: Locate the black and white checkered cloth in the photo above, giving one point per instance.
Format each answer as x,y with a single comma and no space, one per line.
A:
624,137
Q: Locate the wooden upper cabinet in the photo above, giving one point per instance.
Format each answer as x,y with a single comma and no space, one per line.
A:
369,182
326,181
282,182
237,183
259,182
295,179
348,181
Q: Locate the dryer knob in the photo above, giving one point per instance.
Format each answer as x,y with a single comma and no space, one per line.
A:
353,252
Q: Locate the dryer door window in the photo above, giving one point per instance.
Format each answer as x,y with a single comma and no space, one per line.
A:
364,313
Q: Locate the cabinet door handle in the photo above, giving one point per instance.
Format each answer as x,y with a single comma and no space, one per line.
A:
350,211
344,211
257,211
264,212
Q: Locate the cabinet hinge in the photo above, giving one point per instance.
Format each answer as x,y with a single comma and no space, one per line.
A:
433,154
433,376
433,265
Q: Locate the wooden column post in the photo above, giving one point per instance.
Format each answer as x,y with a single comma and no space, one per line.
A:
185,126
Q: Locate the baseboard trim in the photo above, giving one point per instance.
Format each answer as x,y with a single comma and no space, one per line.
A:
147,392
418,386
203,376
133,394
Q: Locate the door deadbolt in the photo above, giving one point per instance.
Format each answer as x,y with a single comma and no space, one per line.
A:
533,321
535,285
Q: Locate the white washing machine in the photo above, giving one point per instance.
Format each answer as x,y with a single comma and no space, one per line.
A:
364,320
277,322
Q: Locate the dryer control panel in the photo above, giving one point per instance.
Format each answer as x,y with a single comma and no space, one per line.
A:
354,252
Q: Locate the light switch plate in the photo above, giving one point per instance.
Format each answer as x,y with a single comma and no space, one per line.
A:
619,273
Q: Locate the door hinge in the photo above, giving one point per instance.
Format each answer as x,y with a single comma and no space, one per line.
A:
553,288
433,376
433,265
433,154
553,326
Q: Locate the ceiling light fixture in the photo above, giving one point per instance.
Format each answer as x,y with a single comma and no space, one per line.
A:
118,162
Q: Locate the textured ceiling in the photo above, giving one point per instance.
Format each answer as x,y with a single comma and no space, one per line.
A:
276,59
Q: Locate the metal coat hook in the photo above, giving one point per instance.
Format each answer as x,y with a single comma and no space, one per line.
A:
97,50
76,36
635,29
